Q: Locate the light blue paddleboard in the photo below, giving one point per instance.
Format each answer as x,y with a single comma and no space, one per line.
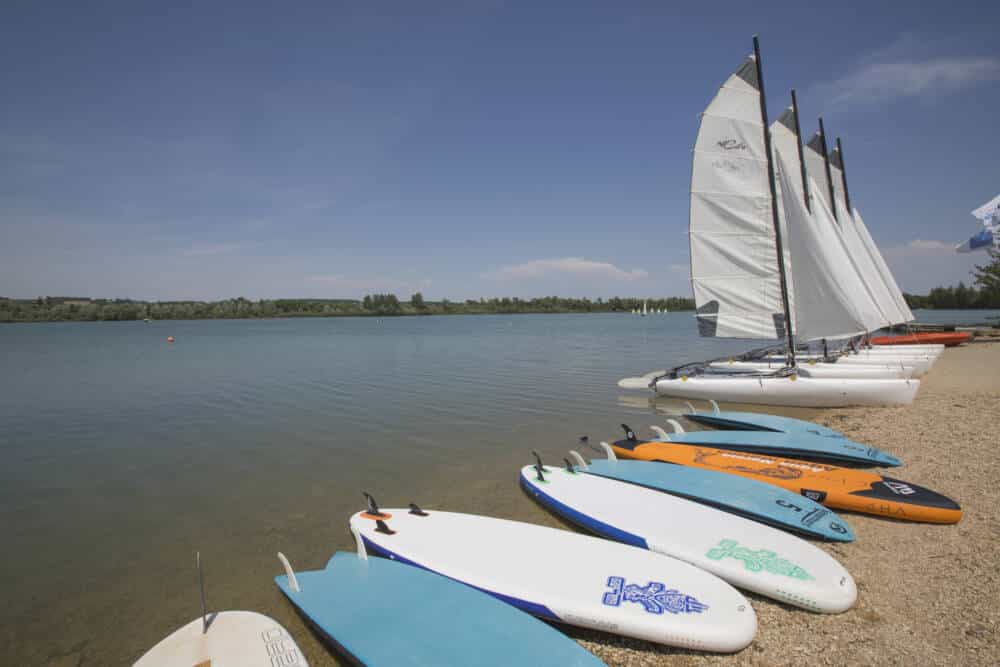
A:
753,421
794,445
380,612
755,500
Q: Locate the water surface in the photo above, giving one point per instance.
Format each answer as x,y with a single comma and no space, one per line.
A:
124,454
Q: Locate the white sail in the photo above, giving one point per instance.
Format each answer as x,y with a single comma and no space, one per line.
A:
864,309
825,285
883,269
816,166
862,257
734,268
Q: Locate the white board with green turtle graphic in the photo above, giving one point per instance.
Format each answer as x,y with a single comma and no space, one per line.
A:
745,553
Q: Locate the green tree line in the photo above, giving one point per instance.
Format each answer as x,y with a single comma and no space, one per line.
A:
82,309
984,292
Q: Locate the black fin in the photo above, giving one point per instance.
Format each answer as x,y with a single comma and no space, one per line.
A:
539,468
372,505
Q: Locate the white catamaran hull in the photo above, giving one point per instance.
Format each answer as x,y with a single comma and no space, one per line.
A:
920,365
806,392
826,370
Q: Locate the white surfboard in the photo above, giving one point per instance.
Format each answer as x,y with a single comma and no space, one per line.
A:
232,639
567,577
745,553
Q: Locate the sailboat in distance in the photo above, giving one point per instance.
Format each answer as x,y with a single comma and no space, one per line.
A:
738,263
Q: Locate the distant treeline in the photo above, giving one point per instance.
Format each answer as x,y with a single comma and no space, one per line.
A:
55,308
959,297
985,294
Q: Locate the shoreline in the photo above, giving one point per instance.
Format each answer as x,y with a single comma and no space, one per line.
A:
927,594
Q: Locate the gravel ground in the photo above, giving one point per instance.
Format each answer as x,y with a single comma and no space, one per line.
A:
927,594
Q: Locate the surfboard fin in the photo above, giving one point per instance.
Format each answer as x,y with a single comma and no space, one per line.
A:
382,527
569,466
372,505
580,462
539,468
629,433
676,425
201,588
415,509
293,582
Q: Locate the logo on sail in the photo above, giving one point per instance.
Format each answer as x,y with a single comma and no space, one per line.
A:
732,145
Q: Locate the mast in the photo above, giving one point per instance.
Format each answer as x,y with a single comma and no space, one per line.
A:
826,163
802,157
774,207
843,178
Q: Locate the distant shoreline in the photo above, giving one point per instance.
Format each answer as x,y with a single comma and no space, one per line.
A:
76,309
335,316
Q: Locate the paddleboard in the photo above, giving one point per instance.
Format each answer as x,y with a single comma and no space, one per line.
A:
567,577
836,487
757,421
380,612
745,553
764,503
794,445
233,639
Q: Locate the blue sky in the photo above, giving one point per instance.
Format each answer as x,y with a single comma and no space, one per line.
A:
462,149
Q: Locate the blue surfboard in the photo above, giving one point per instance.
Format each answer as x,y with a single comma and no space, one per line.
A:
380,612
793,445
753,421
749,498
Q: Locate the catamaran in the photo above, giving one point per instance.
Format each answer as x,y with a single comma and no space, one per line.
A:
749,284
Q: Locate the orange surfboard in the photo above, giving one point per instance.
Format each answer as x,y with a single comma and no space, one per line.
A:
834,486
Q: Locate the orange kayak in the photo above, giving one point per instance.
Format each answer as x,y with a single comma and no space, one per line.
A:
946,338
834,486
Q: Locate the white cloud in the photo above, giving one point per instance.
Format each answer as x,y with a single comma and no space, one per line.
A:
876,83
566,266
922,247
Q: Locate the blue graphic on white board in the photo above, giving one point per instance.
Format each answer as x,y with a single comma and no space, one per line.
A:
655,597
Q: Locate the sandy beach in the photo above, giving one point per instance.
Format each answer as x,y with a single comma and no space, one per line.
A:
928,594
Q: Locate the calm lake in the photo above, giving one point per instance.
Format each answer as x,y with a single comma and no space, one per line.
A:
124,454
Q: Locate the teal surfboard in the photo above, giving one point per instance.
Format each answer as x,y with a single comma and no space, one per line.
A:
793,445
380,612
749,498
753,421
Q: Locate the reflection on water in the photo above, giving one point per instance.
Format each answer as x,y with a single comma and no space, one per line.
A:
123,454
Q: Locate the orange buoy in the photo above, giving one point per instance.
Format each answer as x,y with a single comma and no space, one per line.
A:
170,339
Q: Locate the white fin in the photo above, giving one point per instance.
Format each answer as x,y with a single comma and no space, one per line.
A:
293,583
